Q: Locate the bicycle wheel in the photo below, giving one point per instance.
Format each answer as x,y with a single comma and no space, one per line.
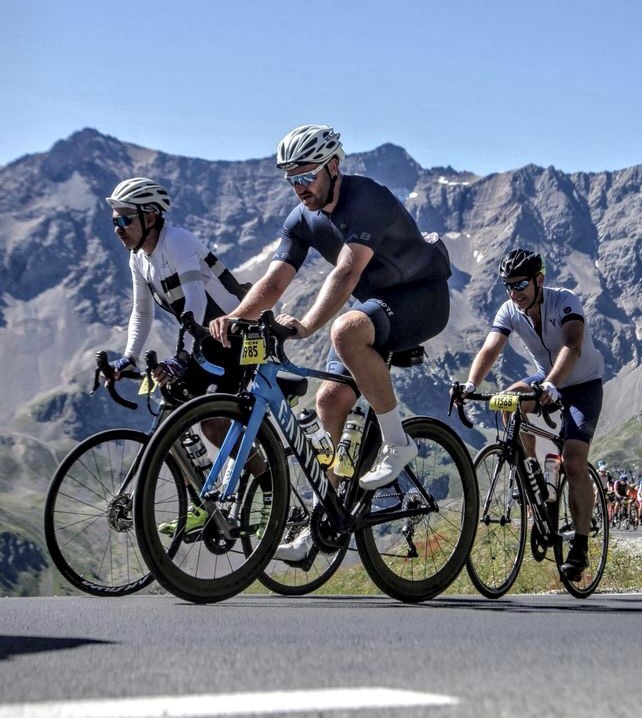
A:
210,563
296,578
498,550
414,558
598,537
89,526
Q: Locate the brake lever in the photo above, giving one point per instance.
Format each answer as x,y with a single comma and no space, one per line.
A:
105,368
455,389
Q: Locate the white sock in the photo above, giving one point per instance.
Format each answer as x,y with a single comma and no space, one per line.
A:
391,428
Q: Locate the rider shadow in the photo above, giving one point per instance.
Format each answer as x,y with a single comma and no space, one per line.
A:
630,603
627,603
20,645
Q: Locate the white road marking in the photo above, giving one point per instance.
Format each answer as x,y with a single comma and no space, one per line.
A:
228,704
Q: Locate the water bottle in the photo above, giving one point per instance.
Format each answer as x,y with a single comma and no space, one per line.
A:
552,474
196,451
321,441
350,443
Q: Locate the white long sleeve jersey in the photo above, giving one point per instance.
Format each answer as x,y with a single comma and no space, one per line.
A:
181,274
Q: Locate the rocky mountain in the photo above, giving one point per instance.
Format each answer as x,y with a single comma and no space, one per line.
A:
65,284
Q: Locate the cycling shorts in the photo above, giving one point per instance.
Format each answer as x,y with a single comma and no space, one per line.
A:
403,317
582,407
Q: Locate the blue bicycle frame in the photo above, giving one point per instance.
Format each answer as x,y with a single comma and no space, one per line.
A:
268,396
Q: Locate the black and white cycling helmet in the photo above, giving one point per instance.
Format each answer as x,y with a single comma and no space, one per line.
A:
140,193
521,263
308,144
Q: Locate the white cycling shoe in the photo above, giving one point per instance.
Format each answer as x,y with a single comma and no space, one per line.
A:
296,550
395,457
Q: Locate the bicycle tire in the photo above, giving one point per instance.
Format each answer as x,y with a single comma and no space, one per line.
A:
420,568
210,568
496,556
598,537
88,521
301,577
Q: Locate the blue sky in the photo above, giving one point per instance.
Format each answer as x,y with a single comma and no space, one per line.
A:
481,86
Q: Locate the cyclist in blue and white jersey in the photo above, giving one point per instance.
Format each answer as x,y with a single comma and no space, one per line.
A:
171,267
396,277
552,325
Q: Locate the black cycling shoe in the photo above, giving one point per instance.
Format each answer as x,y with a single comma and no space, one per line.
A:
576,562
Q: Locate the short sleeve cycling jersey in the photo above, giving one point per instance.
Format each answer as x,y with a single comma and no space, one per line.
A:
558,307
367,213
181,274
621,488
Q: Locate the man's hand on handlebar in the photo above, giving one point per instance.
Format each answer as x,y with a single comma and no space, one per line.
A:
120,365
550,393
302,331
219,328
459,392
171,370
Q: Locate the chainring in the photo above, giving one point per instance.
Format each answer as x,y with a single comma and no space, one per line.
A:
323,534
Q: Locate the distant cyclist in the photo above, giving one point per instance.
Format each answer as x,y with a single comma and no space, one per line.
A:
621,487
172,268
604,474
396,277
552,325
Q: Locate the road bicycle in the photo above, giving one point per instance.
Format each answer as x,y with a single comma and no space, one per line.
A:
513,493
88,517
412,536
625,514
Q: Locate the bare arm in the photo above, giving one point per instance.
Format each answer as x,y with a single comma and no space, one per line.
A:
336,289
486,357
263,295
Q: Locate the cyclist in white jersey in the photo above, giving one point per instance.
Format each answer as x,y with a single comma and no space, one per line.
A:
552,325
171,267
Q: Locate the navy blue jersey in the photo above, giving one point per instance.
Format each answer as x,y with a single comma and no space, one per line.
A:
367,213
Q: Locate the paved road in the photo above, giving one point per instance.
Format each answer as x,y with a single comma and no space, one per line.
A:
520,656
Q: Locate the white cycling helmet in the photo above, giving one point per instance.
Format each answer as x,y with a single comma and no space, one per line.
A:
140,193
308,144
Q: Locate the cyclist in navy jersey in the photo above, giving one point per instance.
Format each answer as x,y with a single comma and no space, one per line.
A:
552,325
396,276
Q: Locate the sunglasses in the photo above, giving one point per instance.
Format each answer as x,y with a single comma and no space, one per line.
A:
123,220
303,180
516,286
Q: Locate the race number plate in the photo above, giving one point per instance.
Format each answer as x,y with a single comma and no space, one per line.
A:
253,351
503,402
144,386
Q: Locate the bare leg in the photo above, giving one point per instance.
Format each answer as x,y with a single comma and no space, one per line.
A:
580,489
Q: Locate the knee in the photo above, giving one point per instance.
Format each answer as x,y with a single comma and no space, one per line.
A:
334,398
352,329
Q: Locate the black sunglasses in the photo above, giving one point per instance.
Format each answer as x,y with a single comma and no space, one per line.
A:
123,220
517,286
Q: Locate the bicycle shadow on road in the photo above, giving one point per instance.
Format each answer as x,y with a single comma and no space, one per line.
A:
617,604
20,645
